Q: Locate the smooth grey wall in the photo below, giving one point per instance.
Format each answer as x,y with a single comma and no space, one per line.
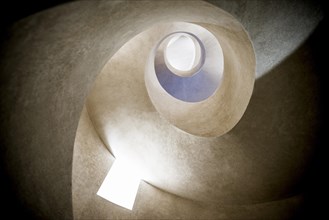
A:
276,27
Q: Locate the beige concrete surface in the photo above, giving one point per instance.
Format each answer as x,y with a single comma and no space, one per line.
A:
212,170
172,160
220,112
91,163
50,60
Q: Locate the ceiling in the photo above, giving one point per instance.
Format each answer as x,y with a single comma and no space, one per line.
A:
50,61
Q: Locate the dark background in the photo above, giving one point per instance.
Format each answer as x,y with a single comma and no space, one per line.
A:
12,11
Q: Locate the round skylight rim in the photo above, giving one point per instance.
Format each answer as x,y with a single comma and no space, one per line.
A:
199,56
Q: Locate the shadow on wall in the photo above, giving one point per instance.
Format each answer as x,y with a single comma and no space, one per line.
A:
286,117
11,12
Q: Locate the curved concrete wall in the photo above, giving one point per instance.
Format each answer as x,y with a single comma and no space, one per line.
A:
92,162
175,161
221,111
50,60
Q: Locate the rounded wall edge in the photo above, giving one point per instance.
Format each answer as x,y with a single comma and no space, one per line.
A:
43,107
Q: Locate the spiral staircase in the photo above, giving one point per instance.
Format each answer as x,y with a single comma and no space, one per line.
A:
80,88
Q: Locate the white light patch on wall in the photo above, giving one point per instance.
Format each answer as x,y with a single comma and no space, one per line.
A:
121,184
181,52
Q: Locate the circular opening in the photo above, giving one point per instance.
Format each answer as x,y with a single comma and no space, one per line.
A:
182,54
181,66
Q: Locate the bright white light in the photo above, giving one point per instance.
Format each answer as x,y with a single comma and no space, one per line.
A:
181,52
121,184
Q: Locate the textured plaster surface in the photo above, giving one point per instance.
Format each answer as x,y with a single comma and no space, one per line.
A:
217,114
221,170
189,166
91,162
50,60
